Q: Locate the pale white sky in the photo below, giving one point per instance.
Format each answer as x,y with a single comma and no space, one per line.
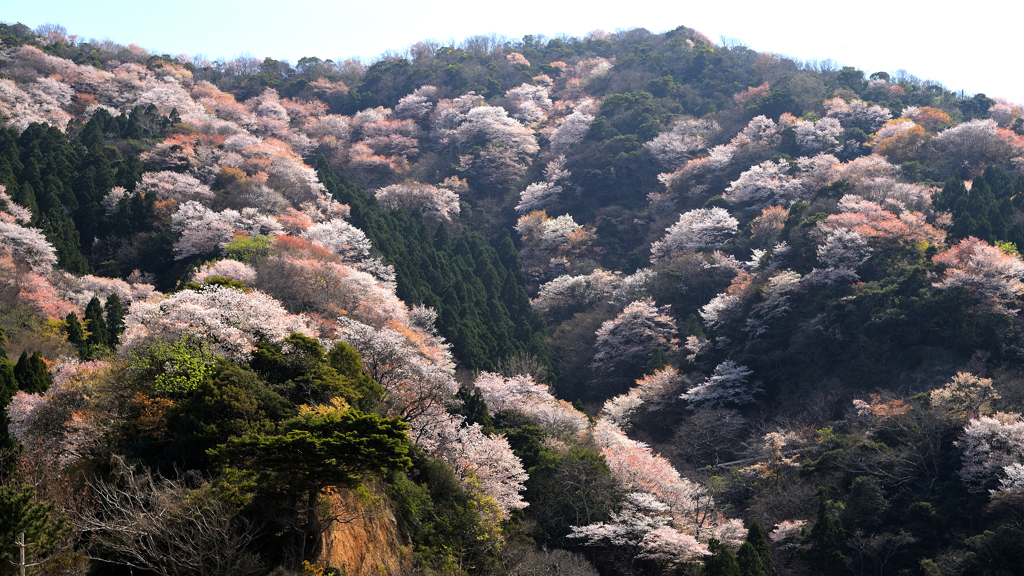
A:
974,46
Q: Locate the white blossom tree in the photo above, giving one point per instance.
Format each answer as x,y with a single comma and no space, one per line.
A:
768,183
726,386
629,339
437,204
988,446
228,320
820,136
700,229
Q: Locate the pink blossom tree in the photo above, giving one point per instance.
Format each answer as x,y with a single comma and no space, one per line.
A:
990,275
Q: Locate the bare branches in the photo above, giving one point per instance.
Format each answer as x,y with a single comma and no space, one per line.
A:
168,526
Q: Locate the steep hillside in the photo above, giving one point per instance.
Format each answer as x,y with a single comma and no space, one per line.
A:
625,304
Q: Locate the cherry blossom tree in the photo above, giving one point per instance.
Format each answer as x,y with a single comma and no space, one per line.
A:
629,339
685,179
36,292
418,382
965,395
816,171
686,137
437,204
750,94
988,446
638,469
881,226
975,143
766,228
228,320
340,238
546,234
1005,113
517,58
576,292
857,114
542,195
989,274
653,390
14,213
727,306
645,524
521,393
778,293
592,67
204,230
172,185
485,464
571,129
821,136
529,103
726,386
842,251
761,130
418,104
787,534
763,185
700,229
226,268
28,245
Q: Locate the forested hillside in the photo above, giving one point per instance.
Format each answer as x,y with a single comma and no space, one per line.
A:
631,303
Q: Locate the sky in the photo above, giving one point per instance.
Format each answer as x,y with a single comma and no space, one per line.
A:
971,47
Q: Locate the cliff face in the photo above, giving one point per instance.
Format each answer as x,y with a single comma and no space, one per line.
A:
366,541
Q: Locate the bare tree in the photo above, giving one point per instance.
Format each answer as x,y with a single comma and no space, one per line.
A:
168,526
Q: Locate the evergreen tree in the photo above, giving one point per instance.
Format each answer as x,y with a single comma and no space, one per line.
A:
8,388
721,562
474,408
75,332
98,336
114,319
759,540
31,373
749,561
823,547
20,513
658,361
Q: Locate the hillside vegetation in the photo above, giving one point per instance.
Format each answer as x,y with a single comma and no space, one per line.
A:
630,304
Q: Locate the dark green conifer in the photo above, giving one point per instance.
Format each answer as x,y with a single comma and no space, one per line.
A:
97,325
721,562
749,561
114,319
759,540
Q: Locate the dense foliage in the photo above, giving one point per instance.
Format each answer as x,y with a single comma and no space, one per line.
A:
631,303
